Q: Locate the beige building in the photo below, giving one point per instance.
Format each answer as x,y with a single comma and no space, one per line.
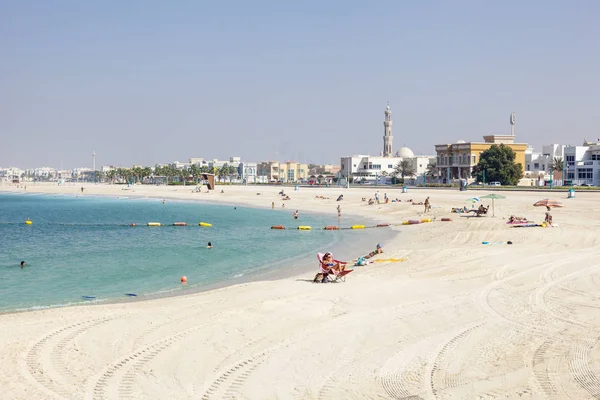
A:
288,172
456,161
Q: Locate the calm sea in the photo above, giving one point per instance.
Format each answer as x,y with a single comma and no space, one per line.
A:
84,246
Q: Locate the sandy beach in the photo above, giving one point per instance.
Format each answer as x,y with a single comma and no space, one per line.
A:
457,320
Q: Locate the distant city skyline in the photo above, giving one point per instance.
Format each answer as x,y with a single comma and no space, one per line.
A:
155,82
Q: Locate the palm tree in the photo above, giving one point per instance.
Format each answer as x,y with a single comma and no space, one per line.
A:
404,168
556,165
432,169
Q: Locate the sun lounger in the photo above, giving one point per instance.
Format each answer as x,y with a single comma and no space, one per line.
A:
326,271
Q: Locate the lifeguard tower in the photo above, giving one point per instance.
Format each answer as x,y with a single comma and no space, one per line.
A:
208,180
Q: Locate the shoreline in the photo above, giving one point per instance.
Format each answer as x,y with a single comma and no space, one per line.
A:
457,319
300,263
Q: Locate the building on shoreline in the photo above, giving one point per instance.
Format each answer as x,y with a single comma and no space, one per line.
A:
287,172
456,161
537,165
367,168
582,164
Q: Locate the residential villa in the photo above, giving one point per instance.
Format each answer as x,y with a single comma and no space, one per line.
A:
288,172
582,164
456,161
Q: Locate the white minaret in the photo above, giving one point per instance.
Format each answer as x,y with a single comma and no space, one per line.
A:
512,124
94,161
387,132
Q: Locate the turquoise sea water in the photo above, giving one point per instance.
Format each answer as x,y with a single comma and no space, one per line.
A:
84,246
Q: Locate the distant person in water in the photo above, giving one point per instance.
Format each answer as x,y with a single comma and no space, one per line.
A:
296,214
164,201
22,264
209,245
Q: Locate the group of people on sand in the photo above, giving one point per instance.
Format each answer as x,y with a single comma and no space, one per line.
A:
331,266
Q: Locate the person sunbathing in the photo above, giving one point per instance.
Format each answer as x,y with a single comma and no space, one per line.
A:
514,219
331,265
378,250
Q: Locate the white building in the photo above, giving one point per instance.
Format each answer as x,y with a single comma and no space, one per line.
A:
11,174
372,168
582,164
537,165
248,172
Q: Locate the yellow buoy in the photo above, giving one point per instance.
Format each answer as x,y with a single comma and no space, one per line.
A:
406,223
426,220
153,223
358,227
205,224
304,228
28,222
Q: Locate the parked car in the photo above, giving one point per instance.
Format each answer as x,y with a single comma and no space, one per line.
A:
475,184
495,183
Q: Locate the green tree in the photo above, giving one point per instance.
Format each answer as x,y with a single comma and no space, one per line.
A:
432,169
555,165
404,168
111,175
499,165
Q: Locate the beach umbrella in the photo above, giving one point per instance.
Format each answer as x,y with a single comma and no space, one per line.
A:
493,196
474,199
548,203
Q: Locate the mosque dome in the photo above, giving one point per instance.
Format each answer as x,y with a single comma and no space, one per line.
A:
405,152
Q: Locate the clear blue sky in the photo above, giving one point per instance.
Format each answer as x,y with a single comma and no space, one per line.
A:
145,82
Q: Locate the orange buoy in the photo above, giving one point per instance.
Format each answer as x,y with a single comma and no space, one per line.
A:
382,225
331,228
179,223
184,279
413,221
278,227
132,224
446,219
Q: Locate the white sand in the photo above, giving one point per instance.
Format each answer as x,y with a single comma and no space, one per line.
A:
457,320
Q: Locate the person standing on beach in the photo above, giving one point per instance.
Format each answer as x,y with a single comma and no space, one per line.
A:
82,189
427,204
339,210
273,205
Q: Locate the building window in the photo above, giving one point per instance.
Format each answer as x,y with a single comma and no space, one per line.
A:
473,160
570,160
585,173
390,166
570,175
536,165
291,175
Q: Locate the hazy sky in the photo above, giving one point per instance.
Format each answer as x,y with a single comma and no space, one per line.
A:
148,81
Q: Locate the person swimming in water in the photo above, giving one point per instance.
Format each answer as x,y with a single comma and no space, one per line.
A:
22,264
209,246
296,214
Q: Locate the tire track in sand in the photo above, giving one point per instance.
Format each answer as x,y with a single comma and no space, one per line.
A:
54,383
134,360
579,362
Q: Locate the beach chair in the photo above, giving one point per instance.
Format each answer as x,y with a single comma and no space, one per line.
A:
326,271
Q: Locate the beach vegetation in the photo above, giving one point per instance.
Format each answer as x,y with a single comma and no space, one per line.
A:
432,171
498,164
557,164
404,168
